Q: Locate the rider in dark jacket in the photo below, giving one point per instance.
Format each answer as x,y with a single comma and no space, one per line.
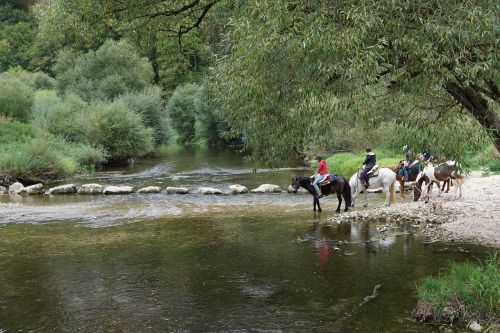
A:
368,164
409,161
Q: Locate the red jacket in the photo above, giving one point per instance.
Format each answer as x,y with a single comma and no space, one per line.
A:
322,168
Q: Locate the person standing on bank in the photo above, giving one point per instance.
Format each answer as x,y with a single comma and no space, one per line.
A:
319,175
368,164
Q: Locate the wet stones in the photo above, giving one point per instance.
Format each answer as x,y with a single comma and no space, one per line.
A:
177,190
150,189
34,189
3,190
267,188
237,189
118,190
63,189
16,188
209,190
91,189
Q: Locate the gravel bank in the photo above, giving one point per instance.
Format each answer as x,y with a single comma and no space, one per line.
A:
474,218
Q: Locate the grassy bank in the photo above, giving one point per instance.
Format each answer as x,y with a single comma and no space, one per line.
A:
466,292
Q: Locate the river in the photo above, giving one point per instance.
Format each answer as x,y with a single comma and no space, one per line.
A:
195,263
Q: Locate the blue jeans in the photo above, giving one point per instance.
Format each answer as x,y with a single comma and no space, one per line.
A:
318,179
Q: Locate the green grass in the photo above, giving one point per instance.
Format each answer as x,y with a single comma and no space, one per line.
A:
467,291
346,164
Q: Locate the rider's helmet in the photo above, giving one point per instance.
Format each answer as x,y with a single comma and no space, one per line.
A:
318,157
405,148
368,150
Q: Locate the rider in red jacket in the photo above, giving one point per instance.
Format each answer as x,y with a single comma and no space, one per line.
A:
320,174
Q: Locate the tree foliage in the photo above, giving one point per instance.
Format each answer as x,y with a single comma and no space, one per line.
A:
292,72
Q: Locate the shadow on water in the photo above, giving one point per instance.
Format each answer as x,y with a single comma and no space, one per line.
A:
194,263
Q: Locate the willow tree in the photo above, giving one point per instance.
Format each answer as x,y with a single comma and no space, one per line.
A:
289,72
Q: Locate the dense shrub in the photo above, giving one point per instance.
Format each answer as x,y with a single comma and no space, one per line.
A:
150,105
12,130
113,70
182,111
60,116
119,130
16,97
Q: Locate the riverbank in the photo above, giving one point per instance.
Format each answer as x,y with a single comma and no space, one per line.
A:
473,218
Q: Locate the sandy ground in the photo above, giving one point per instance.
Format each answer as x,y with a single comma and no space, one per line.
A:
474,218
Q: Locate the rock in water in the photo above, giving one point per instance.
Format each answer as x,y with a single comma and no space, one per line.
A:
209,190
16,188
237,189
267,188
63,189
149,189
91,189
177,190
34,189
3,190
475,327
118,190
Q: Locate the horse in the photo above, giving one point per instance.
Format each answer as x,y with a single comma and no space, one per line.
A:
340,186
413,174
386,178
443,172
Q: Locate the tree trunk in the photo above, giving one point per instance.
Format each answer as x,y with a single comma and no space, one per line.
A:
473,101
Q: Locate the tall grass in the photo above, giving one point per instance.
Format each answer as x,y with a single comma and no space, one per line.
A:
467,291
346,164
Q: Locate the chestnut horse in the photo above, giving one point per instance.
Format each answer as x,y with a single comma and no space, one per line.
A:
398,169
339,186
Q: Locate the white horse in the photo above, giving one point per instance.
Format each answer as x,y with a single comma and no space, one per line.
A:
386,178
442,172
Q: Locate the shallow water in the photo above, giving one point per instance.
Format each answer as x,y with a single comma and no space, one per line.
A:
194,263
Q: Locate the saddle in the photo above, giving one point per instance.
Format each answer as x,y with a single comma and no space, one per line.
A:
330,178
373,171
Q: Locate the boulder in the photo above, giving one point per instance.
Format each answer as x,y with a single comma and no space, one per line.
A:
34,189
91,189
3,190
177,190
475,327
118,190
237,189
63,189
209,190
267,188
150,189
16,188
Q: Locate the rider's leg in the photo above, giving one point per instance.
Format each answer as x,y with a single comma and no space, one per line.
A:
318,179
406,173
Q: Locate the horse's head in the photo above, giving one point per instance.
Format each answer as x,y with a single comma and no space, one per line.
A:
297,182
417,188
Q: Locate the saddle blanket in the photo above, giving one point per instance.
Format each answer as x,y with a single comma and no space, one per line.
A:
330,178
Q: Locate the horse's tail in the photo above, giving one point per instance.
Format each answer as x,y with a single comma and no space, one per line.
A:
392,192
347,193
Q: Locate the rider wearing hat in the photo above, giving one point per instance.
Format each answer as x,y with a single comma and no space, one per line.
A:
409,161
368,164
320,174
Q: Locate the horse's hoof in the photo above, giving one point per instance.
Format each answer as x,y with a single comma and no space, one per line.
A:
365,205
345,210
387,205
337,211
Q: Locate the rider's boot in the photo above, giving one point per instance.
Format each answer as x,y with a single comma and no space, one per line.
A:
367,181
319,194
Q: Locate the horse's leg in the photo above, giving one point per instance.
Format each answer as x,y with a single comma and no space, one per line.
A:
366,197
387,195
339,197
314,203
319,207
402,188
353,196
458,188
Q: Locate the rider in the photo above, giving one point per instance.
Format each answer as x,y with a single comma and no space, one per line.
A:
319,175
426,153
408,162
368,164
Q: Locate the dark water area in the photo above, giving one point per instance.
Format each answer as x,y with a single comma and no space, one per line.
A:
194,263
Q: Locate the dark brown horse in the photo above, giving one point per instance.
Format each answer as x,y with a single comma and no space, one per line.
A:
340,186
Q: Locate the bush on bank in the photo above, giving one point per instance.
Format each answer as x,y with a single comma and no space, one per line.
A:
466,292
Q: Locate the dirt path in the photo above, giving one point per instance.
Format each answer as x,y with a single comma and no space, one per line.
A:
474,218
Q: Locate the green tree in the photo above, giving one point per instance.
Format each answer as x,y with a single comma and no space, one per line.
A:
289,72
16,97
